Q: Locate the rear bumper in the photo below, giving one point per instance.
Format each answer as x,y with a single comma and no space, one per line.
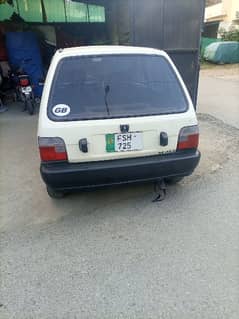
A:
68,176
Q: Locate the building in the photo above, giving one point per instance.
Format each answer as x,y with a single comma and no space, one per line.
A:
220,14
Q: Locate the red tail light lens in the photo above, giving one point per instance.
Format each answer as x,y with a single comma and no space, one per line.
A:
52,149
24,82
188,138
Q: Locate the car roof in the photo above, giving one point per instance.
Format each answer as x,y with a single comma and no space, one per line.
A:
108,50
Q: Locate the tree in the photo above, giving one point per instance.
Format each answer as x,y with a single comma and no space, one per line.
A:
231,35
212,2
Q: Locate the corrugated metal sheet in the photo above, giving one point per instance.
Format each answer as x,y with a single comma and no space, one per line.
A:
171,25
53,11
174,26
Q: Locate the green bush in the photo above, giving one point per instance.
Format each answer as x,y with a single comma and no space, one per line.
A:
230,35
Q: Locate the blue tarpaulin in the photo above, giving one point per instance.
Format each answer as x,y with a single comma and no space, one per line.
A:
24,52
222,52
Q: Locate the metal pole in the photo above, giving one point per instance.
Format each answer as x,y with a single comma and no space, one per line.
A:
64,1
43,9
88,12
17,7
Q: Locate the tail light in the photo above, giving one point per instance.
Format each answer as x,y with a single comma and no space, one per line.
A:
24,81
52,149
188,138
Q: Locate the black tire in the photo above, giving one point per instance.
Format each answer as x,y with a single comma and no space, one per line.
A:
54,193
30,106
174,180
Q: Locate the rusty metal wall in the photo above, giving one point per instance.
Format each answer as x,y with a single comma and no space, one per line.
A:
174,26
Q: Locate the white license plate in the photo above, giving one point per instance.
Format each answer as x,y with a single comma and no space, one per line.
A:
26,89
128,142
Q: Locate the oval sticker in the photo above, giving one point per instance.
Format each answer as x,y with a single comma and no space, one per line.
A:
61,110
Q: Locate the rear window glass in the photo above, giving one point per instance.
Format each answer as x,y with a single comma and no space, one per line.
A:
113,86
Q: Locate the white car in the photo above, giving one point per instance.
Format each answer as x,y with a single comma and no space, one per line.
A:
112,115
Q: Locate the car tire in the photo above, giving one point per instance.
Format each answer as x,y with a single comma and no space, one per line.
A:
54,193
174,180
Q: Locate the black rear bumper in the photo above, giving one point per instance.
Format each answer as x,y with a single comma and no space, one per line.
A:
68,176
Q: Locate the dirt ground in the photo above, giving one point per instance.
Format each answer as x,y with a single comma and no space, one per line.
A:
221,71
218,144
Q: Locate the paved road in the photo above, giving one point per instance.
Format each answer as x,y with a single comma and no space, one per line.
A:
113,253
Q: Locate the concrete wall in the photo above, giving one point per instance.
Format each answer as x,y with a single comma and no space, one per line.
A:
224,13
215,12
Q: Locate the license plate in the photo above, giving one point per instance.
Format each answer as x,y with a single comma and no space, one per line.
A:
124,142
26,89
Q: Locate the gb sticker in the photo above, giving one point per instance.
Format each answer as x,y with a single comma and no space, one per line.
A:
61,110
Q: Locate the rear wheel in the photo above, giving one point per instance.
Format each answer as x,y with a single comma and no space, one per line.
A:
54,193
174,180
30,106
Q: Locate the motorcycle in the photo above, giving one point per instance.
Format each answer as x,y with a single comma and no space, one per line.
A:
23,87
26,94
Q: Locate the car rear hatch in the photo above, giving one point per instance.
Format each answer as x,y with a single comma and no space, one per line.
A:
117,106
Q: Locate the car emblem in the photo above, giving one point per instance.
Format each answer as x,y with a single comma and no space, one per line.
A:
124,128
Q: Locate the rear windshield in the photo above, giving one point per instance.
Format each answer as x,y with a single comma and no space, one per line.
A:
113,86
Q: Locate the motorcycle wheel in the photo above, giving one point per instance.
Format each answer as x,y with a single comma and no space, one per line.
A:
29,105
